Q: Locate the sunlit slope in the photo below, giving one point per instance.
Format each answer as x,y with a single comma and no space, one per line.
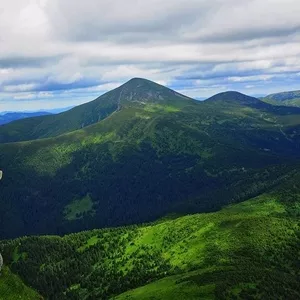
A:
12,287
250,253
247,250
146,160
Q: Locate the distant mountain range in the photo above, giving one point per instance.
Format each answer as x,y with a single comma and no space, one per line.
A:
51,111
13,116
286,98
10,116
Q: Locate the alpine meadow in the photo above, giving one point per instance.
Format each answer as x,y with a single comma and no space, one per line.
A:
150,150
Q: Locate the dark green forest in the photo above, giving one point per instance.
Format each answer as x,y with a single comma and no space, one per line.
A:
244,251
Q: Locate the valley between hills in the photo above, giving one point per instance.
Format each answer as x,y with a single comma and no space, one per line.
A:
145,193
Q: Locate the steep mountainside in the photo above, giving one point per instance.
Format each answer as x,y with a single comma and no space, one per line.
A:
136,90
13,116
285,98
245,251
159,153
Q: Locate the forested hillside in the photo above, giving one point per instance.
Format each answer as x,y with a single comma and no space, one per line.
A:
245,251
159,153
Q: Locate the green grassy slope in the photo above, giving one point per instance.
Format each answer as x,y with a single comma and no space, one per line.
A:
286,98
152,157
12,287
245,251
173,287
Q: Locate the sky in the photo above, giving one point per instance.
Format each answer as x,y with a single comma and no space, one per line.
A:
56,53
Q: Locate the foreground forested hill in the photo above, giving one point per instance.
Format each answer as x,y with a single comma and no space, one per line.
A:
245,251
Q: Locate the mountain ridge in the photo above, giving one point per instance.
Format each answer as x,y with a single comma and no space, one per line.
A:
136,90
145,160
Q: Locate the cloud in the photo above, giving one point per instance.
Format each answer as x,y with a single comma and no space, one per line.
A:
39,95
120,21
22,62
80,49
24,96
139,21
19,87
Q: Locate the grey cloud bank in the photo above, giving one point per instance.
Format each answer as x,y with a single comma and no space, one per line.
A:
72,51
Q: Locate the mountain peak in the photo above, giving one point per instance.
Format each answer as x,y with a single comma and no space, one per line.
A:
136,91
144,90
138,80
234,97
